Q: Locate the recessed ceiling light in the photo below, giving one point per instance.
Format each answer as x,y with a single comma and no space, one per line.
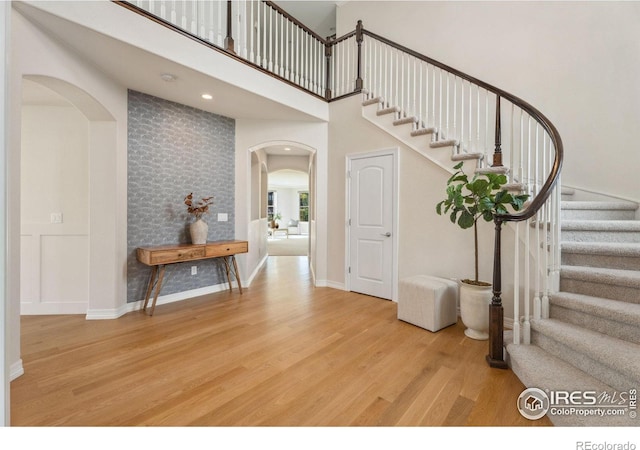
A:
207,96
168,77
287,149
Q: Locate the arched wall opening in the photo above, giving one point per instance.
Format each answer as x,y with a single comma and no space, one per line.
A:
267,159
66,137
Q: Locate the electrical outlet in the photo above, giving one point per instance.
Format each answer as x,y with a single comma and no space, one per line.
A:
223,217
194,270
56,217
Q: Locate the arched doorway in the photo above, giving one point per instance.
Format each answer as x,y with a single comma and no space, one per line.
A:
283,181
65,136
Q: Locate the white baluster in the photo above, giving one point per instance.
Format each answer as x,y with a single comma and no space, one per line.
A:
478,146
455,104
516,286
220,34
163,9
173,16
469,133
527,251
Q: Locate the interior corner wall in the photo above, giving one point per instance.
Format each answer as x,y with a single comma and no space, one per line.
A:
175,150
577,62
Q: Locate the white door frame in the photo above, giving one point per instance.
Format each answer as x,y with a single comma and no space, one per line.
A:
394,152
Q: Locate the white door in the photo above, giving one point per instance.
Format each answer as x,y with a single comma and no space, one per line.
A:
371,233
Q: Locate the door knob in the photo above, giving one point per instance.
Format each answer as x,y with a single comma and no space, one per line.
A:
387,234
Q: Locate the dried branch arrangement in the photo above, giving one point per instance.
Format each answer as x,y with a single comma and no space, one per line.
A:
197,208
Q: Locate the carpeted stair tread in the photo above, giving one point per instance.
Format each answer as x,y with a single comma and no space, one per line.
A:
622,312
618,277
467,156
537,368
601,225
602,248
373,101
588,205
405,120
619,355
444,143
497,169
423,131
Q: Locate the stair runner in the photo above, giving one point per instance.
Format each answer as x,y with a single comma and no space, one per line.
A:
591,340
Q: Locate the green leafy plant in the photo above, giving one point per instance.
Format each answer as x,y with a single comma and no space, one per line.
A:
481,197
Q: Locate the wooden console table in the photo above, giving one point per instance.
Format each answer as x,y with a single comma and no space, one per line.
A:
161,256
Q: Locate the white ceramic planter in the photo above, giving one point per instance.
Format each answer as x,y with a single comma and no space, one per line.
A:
474,310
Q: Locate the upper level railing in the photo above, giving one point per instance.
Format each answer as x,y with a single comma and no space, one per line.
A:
473,117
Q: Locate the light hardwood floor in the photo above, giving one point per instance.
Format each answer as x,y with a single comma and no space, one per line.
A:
284,353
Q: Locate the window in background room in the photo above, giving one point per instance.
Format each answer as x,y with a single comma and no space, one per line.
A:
271,205
303,198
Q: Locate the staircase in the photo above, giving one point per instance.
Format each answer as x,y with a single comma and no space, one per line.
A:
591,340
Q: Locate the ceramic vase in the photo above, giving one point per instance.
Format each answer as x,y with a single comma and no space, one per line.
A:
199,230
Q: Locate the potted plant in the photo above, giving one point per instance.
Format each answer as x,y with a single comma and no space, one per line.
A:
274,222
199,228
468,201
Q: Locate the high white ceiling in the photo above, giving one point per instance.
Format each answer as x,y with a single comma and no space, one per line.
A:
286,178
320,16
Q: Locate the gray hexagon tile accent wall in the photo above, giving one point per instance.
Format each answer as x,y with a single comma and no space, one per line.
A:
173,150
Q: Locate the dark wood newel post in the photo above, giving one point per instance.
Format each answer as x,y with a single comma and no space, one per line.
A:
497,153
228,40
495,358
327,55
359,38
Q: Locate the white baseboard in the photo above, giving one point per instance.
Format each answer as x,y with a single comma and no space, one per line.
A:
15,370
335,285
256,270
100,314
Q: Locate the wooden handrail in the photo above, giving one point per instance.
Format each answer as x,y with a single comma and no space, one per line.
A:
295,21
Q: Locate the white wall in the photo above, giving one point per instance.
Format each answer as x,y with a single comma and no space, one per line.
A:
54,179
5,314
575,61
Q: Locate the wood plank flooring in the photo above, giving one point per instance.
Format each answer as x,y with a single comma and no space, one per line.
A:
282,354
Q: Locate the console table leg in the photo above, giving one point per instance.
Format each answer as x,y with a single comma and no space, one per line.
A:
237,274
228,268
158,287
152,279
